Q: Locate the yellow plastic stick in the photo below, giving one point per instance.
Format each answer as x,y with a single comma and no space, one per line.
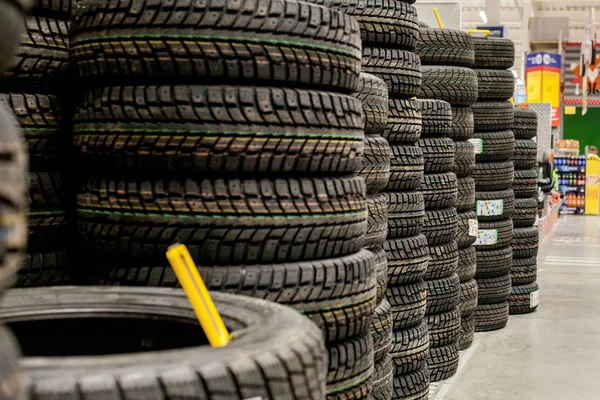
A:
190,280
437,16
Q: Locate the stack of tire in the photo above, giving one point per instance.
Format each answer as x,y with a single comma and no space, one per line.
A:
448,81
230,128
34,88
524,297
494,174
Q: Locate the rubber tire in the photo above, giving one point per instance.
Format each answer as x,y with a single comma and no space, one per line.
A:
525,242
491,317
467,263
442,294
525,126
381,330
276,343
440,226
409,303
495,84
407,168
525,183
351,368
494,263
399,69
11,27
404,122
439,190
383,381
493,290
525,154
463,123
494,53
464,159
469,292
444,328
409,349
49,268
60,9
375,163
438,154
446,47
407,260
46,191
443,261
442,362
116,128
48,230
507,197
520,299
524,271
465,220
437,118
414,386
381,271
456,85
505,233
493,116
497,146
526,212
467,331
406,213
465,197
377,220
373,94
187,46
495,176
13,385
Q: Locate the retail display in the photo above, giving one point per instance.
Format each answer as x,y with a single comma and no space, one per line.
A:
571,171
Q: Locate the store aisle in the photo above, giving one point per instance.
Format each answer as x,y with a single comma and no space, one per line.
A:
553,353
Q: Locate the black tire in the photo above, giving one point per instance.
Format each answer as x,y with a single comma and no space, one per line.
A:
381,330
421,23
373,94
341,307
491,116
442,362
49,268
525,154
122,223
525,126
496,146
375,163
409,303
42,60
440,226
501,238
404,121
350,371
444,328
493,206
413,386
383,381
469,292
439,190
494,176
446,47
494,263
60,9
493,290
409,349
526,212
466,233
442,294
381,271
330,56
209,139
46,191
525,183
407,259
495,84
377,220
438,154
467,263
275,344
465,197
524,271
464,159
10,374
406,168
463,123
437,118
525,242
399,69
443,260
456,85
11,27
406,213
467,331
48,231
494,53
520,300
491,317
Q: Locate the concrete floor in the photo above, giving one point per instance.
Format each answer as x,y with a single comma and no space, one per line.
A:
553,353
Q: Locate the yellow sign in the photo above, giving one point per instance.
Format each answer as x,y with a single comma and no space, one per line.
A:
592,185
534,87
551,92
570,110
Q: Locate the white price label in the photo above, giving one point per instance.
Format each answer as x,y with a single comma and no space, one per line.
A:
486,237
473,227
477,145
489,207
534,299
